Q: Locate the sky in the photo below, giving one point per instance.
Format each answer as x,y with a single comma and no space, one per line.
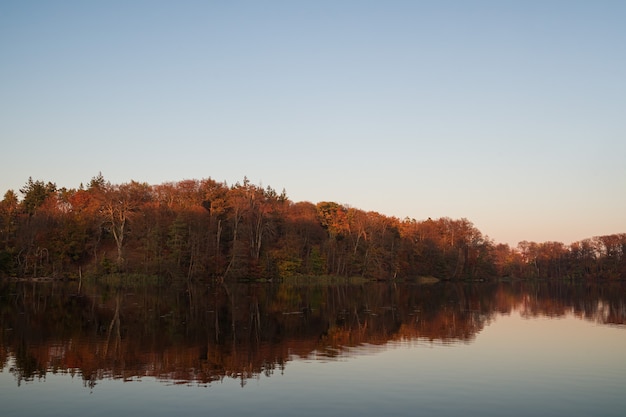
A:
511,114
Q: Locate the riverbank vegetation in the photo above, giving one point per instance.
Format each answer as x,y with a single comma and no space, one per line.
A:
207,229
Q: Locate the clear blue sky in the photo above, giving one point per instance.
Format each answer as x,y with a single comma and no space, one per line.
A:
509,113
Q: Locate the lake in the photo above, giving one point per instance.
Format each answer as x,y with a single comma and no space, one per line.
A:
276,349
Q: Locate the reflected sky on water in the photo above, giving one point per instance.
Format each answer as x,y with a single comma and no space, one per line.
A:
365,350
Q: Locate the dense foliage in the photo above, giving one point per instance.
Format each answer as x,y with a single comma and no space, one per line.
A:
204,228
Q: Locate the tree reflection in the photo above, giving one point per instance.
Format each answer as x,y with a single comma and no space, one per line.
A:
202,333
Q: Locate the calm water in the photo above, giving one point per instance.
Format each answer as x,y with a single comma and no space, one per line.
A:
364,350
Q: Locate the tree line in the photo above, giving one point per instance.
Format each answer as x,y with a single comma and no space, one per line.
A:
208,229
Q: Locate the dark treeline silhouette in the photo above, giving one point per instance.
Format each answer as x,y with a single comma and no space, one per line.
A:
194,332
207,229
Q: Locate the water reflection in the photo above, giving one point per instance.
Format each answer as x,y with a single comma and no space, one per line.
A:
201,333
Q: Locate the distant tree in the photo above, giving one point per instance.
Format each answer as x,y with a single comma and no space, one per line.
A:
8,213
35,193
8,229
119,204
97,182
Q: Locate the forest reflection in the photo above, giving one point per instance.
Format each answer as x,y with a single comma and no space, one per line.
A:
200,333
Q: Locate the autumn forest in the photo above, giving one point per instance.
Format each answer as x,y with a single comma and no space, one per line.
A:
207,229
